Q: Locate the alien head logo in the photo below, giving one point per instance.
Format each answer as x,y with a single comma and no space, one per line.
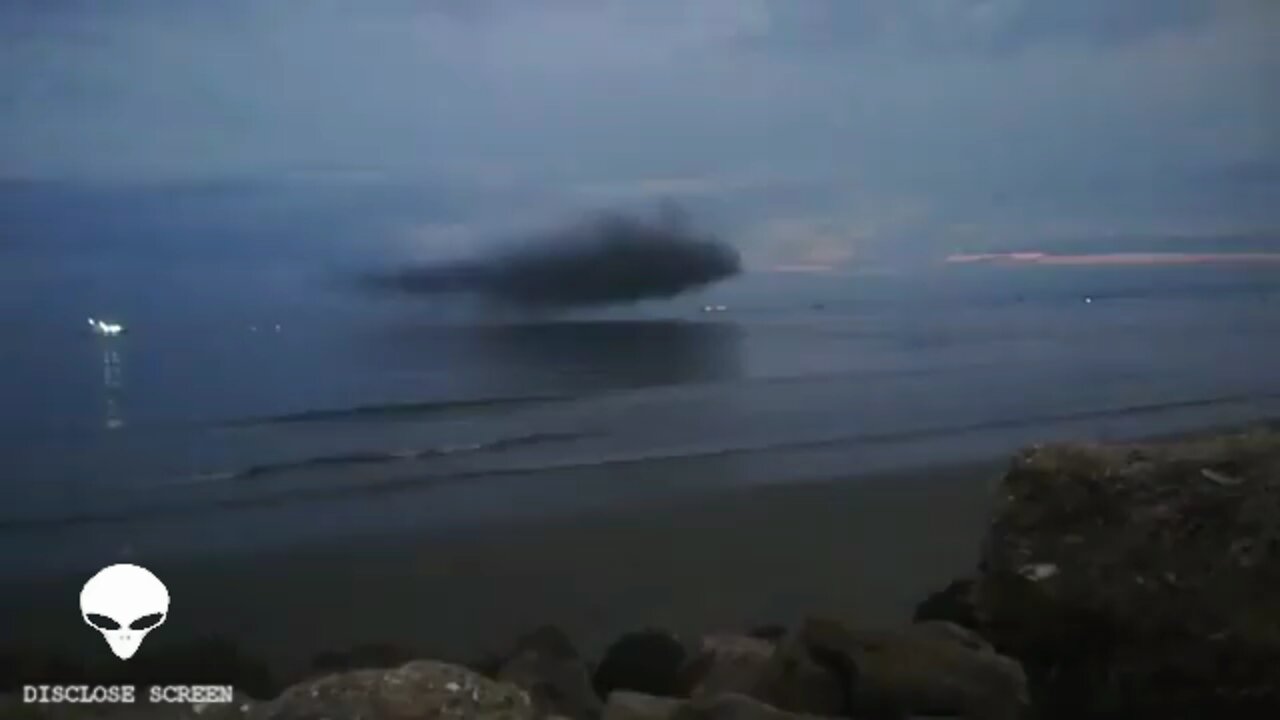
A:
124,603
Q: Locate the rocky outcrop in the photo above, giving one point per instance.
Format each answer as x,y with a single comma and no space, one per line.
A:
547,666
935,668
420,690
822,669
1141,580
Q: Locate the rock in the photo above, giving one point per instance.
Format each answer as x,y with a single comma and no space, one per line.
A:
648,661
954,603
419,690
810,671
934,668
1141,580
624,705
547,666
728,664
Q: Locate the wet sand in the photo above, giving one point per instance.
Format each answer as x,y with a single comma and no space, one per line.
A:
866,548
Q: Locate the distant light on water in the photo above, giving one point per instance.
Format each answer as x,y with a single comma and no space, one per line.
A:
105,328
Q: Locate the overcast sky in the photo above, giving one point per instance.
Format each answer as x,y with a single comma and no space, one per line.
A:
828,129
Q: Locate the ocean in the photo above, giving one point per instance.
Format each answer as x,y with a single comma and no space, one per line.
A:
260,404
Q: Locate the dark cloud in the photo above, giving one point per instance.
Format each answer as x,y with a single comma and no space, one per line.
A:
606,259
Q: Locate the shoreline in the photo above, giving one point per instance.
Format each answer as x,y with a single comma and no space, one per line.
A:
405,505
727,557
1103,576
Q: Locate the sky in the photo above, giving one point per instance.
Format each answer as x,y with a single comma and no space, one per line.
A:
820,132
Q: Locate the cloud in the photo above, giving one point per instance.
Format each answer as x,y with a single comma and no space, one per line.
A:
605,259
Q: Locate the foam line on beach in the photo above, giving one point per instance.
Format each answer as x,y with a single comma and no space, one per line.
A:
399,410
376,457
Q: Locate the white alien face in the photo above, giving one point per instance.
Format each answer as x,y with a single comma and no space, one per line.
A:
124,603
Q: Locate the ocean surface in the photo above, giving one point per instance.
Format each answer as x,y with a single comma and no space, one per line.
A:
257,404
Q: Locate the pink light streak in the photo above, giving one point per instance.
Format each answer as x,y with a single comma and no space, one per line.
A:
1131,258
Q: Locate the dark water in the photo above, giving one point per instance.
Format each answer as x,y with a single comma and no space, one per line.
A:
265,402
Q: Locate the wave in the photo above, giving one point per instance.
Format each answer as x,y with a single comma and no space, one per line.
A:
396,410
375,457
391,411
418,482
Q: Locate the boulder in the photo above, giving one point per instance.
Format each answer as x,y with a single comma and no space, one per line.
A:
416,691
933,668
954,603
728,664
936,668
1141,580
810,671
625,705
648,661
547,666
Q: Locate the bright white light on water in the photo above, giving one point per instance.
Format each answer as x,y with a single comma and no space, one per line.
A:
105,328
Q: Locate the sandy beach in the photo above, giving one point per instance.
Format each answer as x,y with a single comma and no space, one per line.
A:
866,548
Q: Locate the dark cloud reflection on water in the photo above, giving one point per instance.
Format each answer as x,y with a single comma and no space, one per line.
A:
573,356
